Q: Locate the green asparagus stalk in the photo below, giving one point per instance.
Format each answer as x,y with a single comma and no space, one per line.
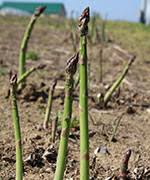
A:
27,73
49,104
15,115
83,99
118,81
25,40
62,153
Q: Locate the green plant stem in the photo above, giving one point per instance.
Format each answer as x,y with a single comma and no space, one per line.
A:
49,105
83,98
25,40
17,130
117,83
62,153
25,75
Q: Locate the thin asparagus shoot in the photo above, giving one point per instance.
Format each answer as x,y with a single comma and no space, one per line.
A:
27,73
118,81
62,153
83,98
17,130
49,104
25,40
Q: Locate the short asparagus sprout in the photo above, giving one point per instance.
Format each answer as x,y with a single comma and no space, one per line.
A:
25,40
17,130
62,153
83,99
124,165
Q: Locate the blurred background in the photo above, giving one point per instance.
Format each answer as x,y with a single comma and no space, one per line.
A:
112,9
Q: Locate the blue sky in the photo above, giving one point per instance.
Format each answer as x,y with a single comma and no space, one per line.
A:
114,9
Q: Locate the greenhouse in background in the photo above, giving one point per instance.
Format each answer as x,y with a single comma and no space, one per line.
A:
27,8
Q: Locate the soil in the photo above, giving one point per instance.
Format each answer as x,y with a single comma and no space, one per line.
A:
131,104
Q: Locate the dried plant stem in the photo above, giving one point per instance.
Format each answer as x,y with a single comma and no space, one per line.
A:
62,153
49,105
17,131
112,138
117,83
93,30
103,31
101,65
83,98
25,40
54,128
74,40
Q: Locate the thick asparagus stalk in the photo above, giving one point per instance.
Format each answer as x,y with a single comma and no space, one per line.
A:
62,153
17,131
83,99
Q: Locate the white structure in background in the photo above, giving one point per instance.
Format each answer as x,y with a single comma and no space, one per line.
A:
12,11
145,12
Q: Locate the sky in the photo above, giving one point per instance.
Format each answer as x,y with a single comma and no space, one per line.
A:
112,9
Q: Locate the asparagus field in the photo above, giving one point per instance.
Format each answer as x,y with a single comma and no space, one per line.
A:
74,98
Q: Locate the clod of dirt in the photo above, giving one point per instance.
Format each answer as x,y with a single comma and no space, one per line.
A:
140,173
130,109
35,158
50,154
102,150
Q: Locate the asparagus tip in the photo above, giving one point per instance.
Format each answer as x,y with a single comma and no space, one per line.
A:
39,10
72,64
84,20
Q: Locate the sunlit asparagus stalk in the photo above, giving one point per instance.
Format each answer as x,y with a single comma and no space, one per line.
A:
25,40
62,153
118,81
49,104
83,99
17,131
